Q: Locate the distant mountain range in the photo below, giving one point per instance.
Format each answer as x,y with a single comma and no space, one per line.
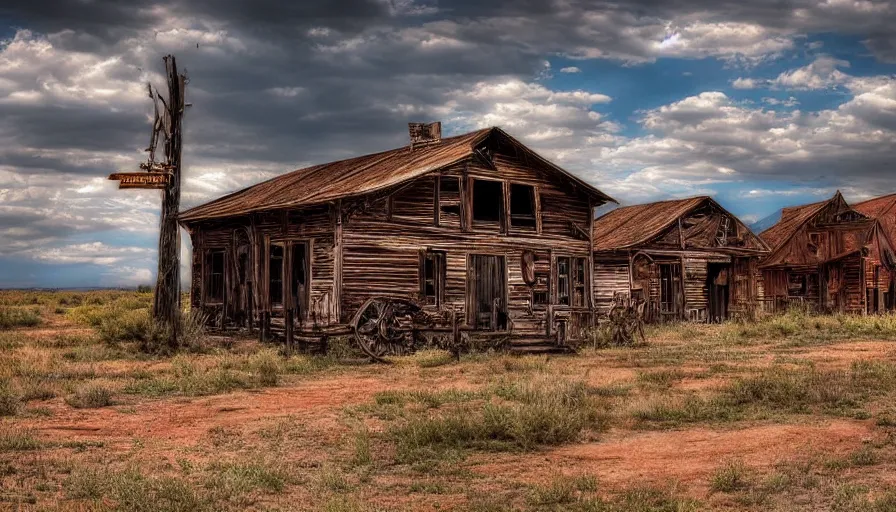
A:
762,224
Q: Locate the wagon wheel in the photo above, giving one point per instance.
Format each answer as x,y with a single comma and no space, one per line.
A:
383,326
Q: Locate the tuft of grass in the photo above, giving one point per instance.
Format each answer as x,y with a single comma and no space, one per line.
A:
531,414
18,440
237,479
730,477
132,491
661,378
10,400
563,490
11,317
90,396
362,455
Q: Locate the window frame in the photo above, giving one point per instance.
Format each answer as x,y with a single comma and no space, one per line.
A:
533,201
208,273
282,245
438,259
502,206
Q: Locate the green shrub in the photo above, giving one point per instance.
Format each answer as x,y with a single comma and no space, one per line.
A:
18,317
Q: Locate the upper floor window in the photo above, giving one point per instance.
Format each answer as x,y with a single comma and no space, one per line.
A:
449,201
214,276
522,205
488,201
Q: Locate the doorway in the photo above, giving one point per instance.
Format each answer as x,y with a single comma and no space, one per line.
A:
718,277
288,277
487,279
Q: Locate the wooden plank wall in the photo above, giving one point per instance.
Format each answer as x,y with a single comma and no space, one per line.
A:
610,277
314,225
382,244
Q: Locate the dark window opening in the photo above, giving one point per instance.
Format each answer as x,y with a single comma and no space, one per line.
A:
432,277
563,281
540,297
522,205
275,268
488,200
571,282
449,185
298,286
451,209
797,285
214,286
578,282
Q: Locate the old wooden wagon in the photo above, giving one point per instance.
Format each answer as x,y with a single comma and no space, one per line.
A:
686,259
828,256
475,233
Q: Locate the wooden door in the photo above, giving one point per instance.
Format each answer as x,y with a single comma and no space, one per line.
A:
487,283
719,280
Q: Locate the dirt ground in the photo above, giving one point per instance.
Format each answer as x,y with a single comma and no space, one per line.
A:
309,423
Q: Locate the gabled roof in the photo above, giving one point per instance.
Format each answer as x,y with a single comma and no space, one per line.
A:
630,226
365,174
876,207
791,220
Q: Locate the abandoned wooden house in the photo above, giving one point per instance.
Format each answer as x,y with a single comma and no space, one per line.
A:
477,228
828,256
686,259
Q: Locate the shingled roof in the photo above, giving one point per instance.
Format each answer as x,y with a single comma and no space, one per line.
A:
877,206
629,226
362,175
791,220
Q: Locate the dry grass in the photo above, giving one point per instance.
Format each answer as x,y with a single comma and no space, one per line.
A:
487,432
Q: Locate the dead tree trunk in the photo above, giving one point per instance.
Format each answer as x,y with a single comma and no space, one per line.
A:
166,306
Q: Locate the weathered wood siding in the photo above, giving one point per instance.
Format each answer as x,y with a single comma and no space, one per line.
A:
384,240
610,278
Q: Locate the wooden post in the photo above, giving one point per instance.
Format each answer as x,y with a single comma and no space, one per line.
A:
289,316
166,304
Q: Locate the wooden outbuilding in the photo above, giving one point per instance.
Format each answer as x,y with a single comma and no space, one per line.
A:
687,259
829,256
477,227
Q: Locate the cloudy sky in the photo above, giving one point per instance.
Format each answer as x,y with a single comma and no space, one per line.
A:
761,104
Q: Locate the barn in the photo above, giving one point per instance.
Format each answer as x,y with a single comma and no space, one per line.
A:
687,259
831,257
476,227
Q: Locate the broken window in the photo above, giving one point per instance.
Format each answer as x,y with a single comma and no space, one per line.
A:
488,200
214,277
571,282
522,205
275,270
432,277
449,200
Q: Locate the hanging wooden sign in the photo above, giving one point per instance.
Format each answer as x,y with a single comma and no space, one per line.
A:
149,180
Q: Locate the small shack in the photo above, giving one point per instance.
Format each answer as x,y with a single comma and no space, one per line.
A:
477,227
829,256
688,259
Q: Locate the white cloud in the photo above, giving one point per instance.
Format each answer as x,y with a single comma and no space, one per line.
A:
822,73
744,83
570,69
95,253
